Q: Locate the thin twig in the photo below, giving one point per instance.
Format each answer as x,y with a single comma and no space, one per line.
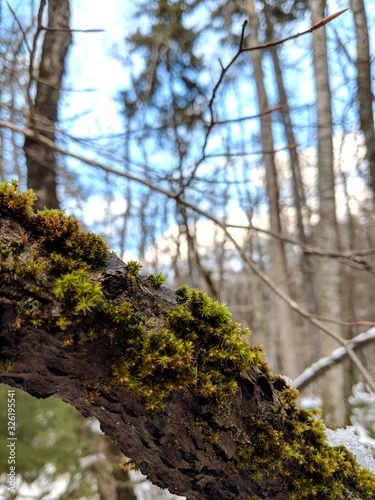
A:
251,153
318,25
348,324
263,46
20,26
250,117
347,257
31,63
224,70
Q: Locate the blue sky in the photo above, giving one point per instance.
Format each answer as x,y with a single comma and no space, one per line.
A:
93,74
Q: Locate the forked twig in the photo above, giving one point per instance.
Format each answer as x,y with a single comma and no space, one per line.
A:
224,70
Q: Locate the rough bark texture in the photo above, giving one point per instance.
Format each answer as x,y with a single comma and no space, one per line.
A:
335,387
252,443
41,161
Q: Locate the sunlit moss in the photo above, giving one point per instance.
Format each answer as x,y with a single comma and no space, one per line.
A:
133,267
203,352
63,233
157,279
55,229
78,291
15,204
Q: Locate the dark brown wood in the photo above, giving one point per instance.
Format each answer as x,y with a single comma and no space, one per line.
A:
43,112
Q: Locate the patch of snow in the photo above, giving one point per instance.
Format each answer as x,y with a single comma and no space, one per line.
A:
348,438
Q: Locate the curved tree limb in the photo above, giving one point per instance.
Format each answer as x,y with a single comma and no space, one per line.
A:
166,374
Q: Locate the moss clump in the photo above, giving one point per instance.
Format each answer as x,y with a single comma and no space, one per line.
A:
157,279
32,312
15,204
55,230
155,365
63,233
220,342
203,352
63,251
80,296
78,292
298,452
133,267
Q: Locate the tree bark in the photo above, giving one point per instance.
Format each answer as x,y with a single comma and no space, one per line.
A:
284,324
70,338
365,95
41,160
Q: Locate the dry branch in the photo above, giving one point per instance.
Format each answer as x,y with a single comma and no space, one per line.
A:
324,364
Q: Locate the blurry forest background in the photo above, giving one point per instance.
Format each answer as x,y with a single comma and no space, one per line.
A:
247,173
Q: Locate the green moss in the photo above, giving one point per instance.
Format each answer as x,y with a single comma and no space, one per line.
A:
58,232
62,233
157,279
117,313
15,204
6,366
133,267
78,292
203,352
299,453
32,312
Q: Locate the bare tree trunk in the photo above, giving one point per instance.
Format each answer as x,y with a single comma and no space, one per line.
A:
40,160
83,326
365,95
284,325
298,192
334,391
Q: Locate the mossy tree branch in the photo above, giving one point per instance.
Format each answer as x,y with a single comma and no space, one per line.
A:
168,375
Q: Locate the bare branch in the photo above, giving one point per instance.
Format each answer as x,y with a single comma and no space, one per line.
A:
349,257
31,63
224,70
250,117
20,26
250,153
324,364
70,30
348,324
267,45
314,27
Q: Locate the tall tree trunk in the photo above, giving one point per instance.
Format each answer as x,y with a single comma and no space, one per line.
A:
41,160
334,387
284,324
298,191
365,95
